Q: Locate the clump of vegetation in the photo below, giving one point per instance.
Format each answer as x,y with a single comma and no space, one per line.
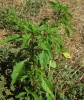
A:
39,75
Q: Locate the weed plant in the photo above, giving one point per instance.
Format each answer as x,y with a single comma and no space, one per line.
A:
40,76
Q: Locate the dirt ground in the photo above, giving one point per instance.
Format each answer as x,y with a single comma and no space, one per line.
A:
75,43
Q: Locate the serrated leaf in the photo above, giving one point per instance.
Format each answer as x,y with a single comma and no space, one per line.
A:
47,86
53,63
66,55
11,38
44,59
18,68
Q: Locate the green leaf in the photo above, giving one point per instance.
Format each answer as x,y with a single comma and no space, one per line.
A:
67,55
11,38
49,97
44,59
46,46
18,69
65,9
42,28
53,30
20,94
64,19
54,5
33,28
44,21
58,38
36,97
23,78
67,29
53,63
57,49
25,40
47,86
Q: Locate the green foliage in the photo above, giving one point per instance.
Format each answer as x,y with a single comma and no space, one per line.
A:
18,69
34,64
4,53
64,16
52,64
47,86
4,89
13,37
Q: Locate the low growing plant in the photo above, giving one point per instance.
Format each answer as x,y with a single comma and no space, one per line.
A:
34,64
